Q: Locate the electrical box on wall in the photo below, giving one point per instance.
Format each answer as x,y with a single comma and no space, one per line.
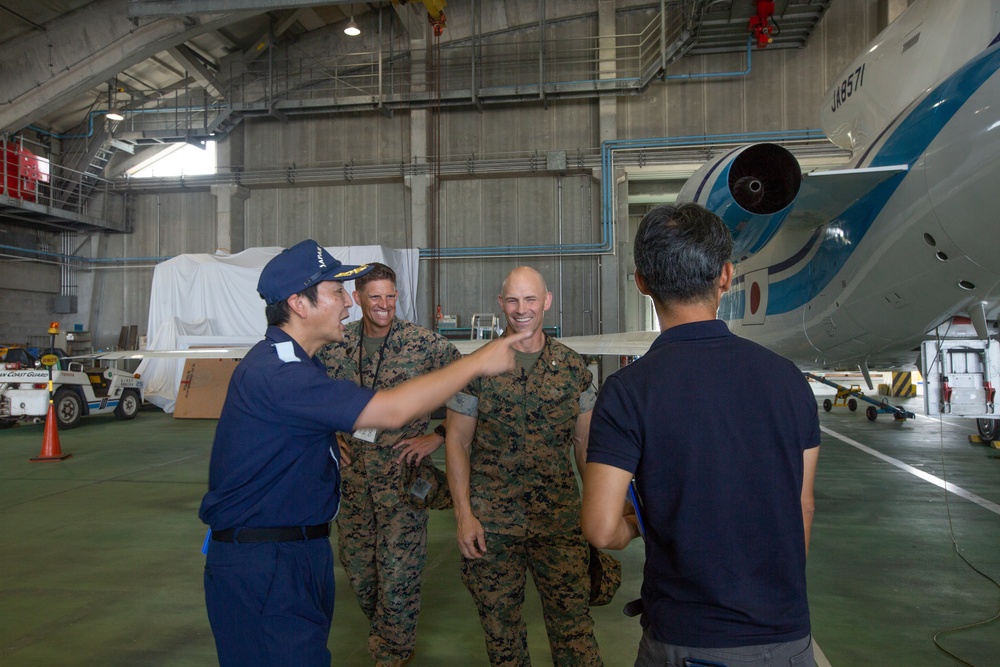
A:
64,304
555,161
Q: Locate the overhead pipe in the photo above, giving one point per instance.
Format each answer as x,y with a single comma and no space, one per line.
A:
103,112
90,127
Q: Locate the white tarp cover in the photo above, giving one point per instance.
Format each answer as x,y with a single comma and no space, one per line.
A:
201,300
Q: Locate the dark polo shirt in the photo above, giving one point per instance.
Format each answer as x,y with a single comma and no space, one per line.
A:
714,426
275,460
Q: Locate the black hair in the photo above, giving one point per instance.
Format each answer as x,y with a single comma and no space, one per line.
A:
278,313
379,272
680,250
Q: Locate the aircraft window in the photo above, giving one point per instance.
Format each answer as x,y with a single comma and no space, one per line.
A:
929,240
943,257
965,284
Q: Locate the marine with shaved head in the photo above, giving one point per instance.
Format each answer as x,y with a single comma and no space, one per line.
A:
509,447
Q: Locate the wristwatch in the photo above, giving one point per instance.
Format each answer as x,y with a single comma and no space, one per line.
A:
439,429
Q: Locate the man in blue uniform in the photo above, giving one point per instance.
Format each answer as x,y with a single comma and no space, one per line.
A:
722,438
274,479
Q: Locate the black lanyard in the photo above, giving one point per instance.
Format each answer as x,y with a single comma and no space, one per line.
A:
361,354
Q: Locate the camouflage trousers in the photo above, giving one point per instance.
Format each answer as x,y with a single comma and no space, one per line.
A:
383,548
558,566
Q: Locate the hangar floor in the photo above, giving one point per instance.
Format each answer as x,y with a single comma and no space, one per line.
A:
101,563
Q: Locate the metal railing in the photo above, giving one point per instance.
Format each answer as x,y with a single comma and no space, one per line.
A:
32,188
480,70
541,61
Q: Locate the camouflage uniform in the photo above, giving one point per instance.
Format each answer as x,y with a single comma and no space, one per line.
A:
525,494
382,540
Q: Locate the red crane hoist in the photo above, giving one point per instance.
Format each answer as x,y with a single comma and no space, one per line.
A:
760,24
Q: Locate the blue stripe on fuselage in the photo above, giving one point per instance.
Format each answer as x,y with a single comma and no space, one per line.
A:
905,145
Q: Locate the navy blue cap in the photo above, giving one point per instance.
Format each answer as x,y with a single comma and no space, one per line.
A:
300,267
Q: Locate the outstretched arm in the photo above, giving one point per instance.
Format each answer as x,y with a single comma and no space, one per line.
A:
395,407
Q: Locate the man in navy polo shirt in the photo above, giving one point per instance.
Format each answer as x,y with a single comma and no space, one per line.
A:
274,477
721,436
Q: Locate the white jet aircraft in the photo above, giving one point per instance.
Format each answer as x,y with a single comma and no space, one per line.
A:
852,268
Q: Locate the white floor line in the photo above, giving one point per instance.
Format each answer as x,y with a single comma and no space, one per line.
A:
964,425
936,481
821,660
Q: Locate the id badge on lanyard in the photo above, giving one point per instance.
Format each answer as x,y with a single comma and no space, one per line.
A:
366,434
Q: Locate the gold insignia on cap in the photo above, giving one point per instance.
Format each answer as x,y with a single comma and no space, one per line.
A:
357,269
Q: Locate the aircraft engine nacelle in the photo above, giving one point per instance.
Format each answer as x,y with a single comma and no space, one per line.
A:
751,188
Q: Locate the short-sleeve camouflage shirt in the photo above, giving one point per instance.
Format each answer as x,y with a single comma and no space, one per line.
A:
522,481
410,351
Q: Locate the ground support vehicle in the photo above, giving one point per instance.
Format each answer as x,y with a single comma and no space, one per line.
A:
854,392
77,391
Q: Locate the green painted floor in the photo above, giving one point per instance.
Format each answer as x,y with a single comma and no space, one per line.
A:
100,560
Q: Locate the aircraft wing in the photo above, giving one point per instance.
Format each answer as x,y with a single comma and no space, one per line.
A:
826,194
632,343
233,352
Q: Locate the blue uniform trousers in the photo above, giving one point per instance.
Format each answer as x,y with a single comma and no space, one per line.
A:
270,603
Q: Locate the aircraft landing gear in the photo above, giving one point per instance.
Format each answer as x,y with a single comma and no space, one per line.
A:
989,429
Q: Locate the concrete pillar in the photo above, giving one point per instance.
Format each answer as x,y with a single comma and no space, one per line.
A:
610,306
607,68
419,126
229,152
230,217
420,184
610,281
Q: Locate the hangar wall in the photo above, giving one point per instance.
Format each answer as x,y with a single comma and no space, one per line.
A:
782,91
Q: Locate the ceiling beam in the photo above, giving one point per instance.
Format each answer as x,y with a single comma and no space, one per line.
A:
206,77
163,8
37,76
34,25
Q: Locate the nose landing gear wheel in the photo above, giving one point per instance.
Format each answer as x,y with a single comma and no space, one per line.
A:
989,429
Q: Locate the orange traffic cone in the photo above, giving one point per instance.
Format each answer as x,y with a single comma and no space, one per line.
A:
51,451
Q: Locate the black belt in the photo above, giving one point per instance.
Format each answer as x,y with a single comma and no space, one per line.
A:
284,534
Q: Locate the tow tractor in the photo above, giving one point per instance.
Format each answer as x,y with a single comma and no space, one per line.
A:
850,396
77,391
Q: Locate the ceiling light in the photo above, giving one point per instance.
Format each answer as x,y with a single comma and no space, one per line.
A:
352,28
114,114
